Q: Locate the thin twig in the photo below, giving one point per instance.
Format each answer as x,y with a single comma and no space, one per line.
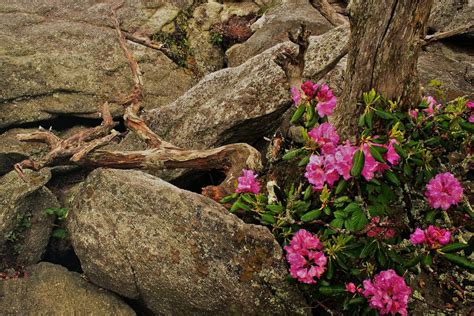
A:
442,35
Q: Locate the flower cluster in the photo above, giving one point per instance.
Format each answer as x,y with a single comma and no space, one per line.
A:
248,182
433,236
305,257
432,106
470,106
443,191
380,229
388,293
326,101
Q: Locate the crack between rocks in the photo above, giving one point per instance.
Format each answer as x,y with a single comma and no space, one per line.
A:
45,94
380,43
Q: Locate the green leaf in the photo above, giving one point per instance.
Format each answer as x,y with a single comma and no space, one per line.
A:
400,151
352,207
357,301
468,127
330,271
384,114
59,233
382,258
357,221
427,260
369,119
341,215
268,218
277,209
412,262
298,113
310,112
239,205
375,153
368,249
392,177
361,120
357,163
454,247
430,217
341,186
248,199
307,193
311,215
292,154
460,261
332,290
337,222
227,199
303,162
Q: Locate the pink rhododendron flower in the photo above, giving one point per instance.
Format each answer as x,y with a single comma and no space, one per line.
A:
471,118
315,172
388,293
433,236
392,156
295,95
418,237
371,165
413,113
350,287
470,105
443,191
431,102
305,257
248,182
343,159
309,89
325,135
326,101
380,230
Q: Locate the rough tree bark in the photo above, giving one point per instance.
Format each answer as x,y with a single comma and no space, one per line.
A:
386,38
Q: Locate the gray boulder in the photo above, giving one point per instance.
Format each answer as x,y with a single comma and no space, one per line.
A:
62,58
178,252
447,15
273,27
49,289
24,226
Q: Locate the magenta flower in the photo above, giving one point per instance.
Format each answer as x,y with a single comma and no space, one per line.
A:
325,135
471,118
443,191
380,230
305,257
388,293
431,102
392,156
433,236
248,182
371,165
418,237
309,89
321,170
343,159
470,105
295,95
413,114
326,101
350,287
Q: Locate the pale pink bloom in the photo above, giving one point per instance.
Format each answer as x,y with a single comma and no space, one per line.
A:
470,105
413,113
471,118
350,287
326,100
305,257
325,135
433,236
315,173
431,102
371,165
436,237
309,89
343,159
295,95
418,237
248,182
388,293
443,191
392,156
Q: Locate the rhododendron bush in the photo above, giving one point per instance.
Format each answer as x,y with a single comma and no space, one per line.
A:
368,214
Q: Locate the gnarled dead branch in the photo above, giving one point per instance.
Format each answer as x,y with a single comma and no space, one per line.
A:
82,148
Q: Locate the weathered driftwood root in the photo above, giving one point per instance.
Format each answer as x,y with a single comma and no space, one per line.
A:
82,148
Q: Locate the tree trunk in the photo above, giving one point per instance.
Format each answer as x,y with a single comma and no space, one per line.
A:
386,37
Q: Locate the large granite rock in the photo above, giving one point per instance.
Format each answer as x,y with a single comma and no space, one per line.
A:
273,27
62,58
447,15
177,252
50,289
24,226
